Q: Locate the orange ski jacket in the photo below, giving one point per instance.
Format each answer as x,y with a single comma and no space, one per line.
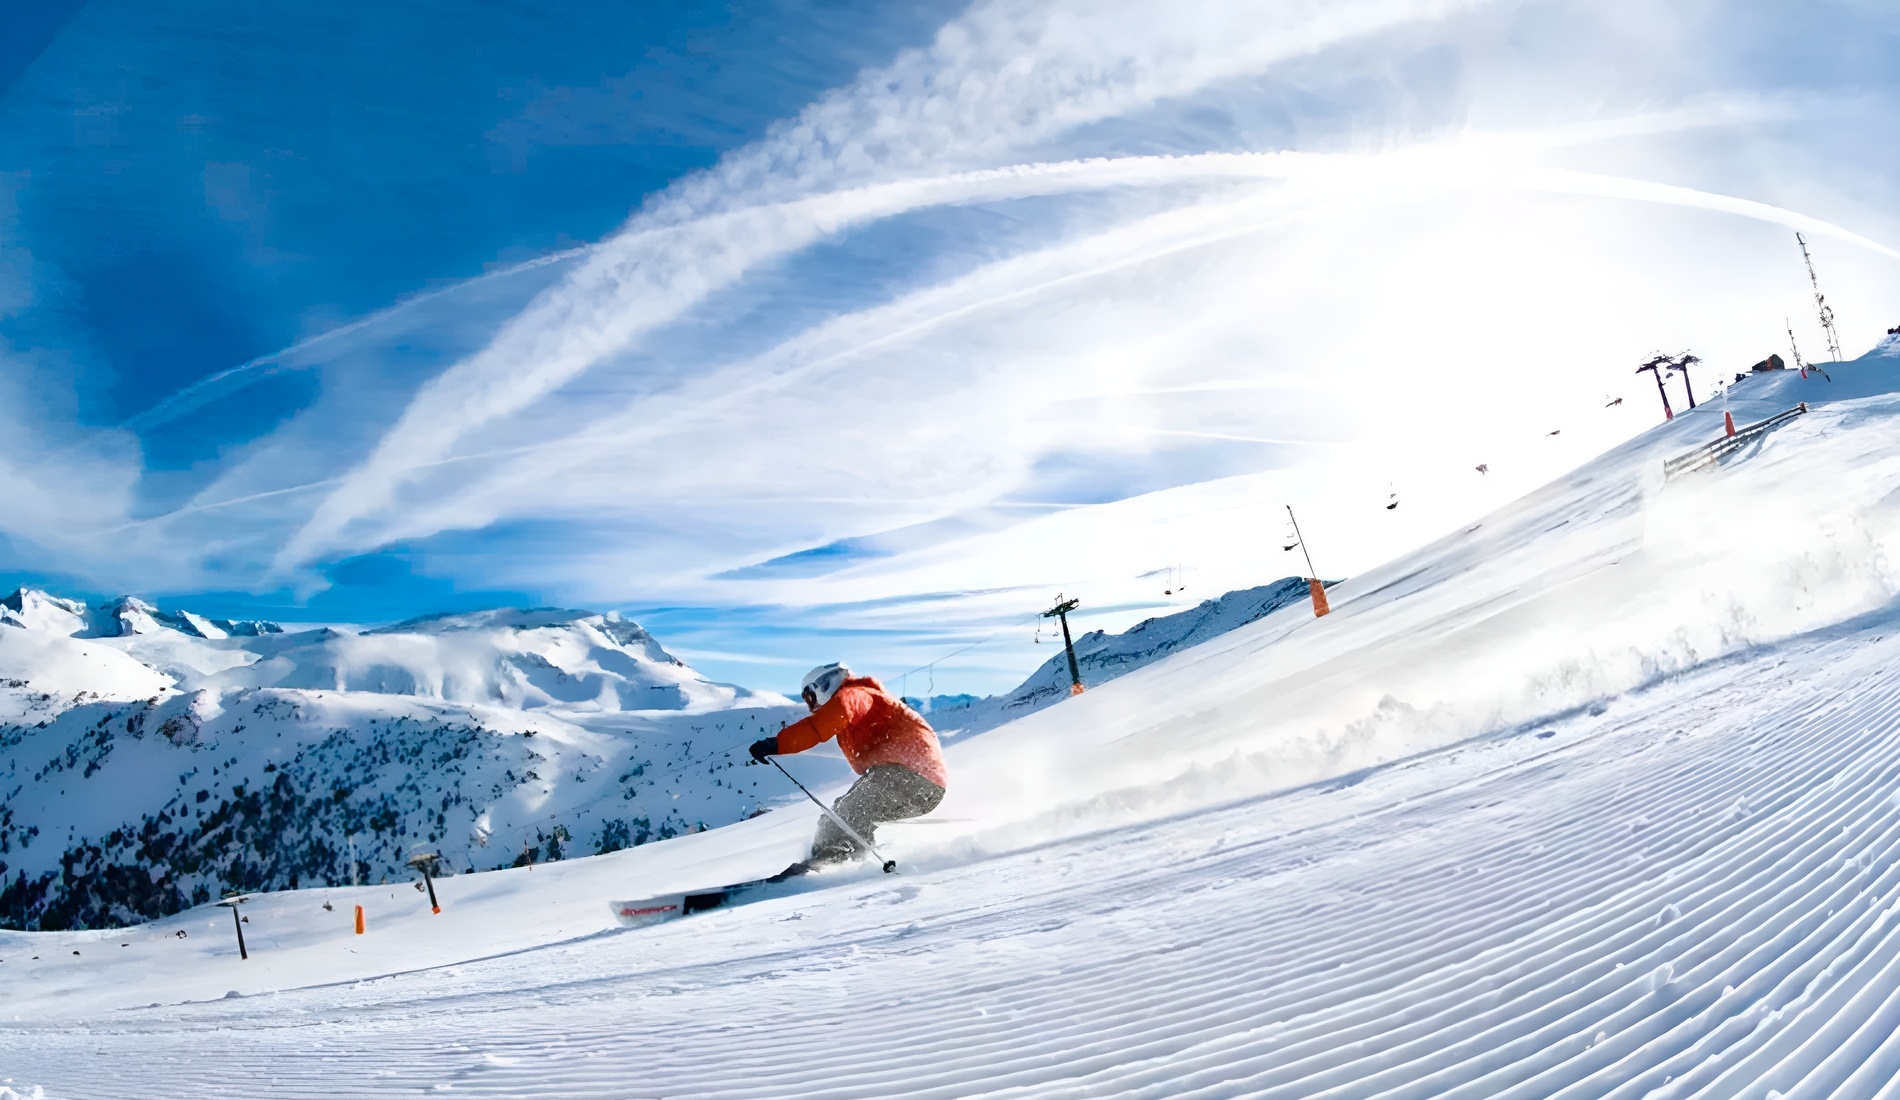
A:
872,727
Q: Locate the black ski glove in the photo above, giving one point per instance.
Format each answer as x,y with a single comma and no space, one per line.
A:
764,747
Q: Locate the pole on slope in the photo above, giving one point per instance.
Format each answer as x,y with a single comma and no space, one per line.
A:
237,922
889,864
425,862
1793,347
1681,364
1796,348
1820,301
1314,586
1654,367
1060,612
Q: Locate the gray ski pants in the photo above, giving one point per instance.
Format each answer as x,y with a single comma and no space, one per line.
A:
886,792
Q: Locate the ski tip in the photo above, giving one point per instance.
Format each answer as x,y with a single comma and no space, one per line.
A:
632,914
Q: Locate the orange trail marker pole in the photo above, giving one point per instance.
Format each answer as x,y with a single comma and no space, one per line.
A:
1318,592
1313,586
359,920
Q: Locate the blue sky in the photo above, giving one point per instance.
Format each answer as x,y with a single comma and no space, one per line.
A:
833,330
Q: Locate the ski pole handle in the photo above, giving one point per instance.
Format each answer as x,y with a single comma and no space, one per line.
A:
889,864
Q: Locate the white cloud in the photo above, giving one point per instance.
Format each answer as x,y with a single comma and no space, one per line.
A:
811,419
1001,76
59,484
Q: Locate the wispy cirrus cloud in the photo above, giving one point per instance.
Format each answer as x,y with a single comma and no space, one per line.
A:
783,401
60,483
1001,77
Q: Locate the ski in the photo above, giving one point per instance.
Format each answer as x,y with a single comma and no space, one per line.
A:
665,907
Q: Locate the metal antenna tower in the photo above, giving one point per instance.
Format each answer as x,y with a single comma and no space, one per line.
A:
1820,301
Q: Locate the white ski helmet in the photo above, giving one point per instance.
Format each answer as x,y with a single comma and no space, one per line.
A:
822,683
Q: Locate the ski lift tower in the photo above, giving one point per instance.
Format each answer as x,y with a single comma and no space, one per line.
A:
237,922
1680,365
1060,612
428,863
1655,367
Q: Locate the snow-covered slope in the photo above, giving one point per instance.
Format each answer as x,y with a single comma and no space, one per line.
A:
1596,798
1101,657
38,668
150,760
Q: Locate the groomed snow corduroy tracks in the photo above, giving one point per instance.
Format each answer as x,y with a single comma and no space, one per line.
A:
1690,893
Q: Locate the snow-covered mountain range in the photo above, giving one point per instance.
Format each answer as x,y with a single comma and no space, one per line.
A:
154,759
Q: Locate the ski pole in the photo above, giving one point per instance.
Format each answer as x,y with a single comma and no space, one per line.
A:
889,864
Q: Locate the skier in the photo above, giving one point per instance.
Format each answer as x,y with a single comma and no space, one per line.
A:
893,750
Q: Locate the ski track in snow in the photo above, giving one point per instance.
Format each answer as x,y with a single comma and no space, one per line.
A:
1689,895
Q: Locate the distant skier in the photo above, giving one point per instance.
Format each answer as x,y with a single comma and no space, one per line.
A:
890,746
